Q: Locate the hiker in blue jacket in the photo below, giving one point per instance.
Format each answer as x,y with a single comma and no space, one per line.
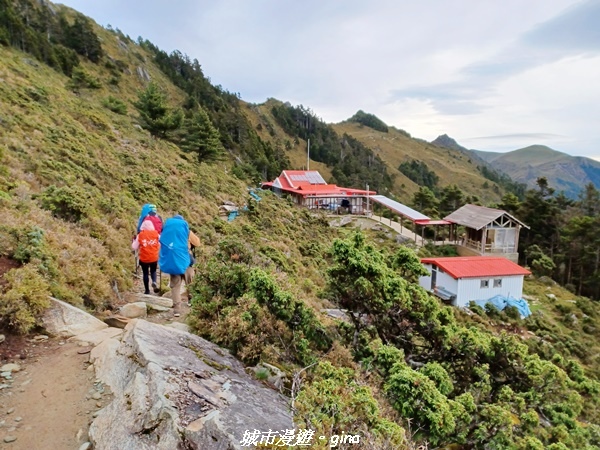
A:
175,259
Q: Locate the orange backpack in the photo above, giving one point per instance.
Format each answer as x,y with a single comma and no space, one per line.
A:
149,246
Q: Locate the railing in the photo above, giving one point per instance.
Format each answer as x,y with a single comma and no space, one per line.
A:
488,248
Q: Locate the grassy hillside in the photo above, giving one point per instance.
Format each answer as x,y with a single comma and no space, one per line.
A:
268,129
451,166
76,173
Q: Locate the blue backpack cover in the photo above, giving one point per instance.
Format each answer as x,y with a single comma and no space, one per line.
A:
174,257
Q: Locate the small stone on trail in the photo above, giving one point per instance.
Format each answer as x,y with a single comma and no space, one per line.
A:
10,410
83,351
2,338
116,321
10,368
85,446
8,439
99,405
18,419
96,396
40,337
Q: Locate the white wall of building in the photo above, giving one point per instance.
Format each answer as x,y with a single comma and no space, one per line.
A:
471,288
467,289
442,280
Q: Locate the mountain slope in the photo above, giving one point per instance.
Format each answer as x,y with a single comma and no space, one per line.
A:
564,172
451,165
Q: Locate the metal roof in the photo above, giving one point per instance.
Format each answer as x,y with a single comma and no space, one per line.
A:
399,208
432,222
306,176
477,217
476,266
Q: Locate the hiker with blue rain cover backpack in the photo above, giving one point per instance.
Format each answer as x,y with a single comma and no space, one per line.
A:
175,259
149,213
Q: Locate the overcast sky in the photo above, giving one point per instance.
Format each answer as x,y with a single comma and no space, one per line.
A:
493,75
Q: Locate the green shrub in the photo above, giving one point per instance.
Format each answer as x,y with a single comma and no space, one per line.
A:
116,105
334,401
70,203
476,308
80,79
24,298
415,396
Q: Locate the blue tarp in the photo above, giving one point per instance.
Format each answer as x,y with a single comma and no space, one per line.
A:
501,302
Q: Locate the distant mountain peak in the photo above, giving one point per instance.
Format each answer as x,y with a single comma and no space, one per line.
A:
447,142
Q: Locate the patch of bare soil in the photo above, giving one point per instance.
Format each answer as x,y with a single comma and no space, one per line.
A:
48,404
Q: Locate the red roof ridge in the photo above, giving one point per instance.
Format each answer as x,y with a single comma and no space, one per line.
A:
476,266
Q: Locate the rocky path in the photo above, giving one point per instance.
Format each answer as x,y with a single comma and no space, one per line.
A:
49,398
49,393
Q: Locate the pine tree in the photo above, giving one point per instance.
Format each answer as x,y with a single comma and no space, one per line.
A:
201,137
155,115
81,37
452,199
424,200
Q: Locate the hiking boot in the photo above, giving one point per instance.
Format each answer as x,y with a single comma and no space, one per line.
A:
146,292
155,287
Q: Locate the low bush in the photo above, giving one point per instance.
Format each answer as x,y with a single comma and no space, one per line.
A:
24,298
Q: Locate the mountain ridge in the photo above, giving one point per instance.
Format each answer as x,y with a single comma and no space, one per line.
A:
565,173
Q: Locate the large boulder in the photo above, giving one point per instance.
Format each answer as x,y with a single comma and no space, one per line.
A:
62,319
173,389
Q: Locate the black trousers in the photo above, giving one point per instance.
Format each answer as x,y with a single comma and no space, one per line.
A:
148,267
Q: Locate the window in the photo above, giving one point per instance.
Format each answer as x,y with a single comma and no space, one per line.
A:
498,282
485,283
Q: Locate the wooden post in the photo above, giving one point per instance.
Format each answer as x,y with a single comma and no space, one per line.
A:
483,239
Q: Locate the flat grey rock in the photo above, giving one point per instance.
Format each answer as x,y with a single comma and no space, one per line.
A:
65,320
172,389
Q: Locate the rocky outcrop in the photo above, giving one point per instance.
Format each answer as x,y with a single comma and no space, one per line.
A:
143,73
176,390
62,319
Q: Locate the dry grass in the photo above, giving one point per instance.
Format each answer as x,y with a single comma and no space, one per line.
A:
395,147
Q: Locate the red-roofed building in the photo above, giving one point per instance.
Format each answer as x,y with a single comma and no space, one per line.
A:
308,188
464,278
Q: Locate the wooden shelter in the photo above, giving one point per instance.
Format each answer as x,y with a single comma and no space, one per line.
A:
488,232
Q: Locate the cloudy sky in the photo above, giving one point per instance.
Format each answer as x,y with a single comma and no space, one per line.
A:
495,76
